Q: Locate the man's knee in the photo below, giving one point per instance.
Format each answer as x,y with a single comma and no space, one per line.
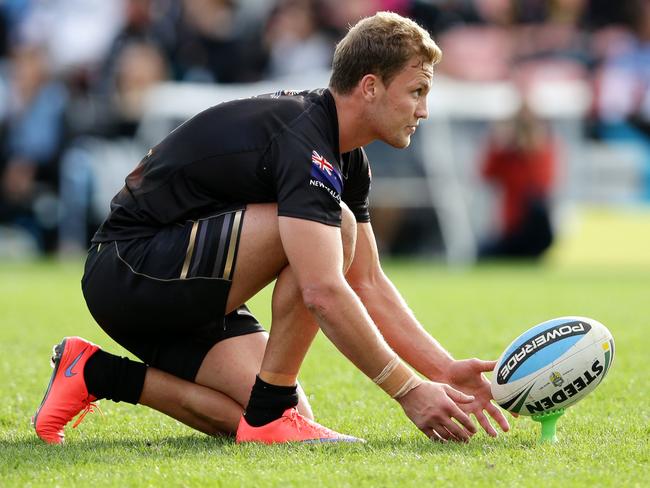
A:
348,235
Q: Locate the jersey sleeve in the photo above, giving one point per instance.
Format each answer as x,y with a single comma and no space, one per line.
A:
308,184
357,185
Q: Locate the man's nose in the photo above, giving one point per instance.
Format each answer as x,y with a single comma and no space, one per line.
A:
422,111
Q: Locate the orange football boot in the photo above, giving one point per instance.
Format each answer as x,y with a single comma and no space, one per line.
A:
66,393
291,427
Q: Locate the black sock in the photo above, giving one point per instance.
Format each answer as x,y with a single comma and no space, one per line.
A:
268,402
114,378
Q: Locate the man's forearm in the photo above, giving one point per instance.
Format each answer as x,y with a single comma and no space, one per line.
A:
344,320
402,331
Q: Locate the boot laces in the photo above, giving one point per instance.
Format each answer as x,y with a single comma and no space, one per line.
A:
89,407
301,422
296,419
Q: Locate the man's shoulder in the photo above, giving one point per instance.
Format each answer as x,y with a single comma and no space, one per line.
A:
309,122
247,123
279,103
275,112
304,97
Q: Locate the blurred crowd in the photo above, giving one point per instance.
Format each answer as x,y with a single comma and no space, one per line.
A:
75,72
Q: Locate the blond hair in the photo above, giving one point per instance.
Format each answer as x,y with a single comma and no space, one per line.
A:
380,45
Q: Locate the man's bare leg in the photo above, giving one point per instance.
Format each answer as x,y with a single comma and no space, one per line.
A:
214,404
268,416
293,330
231,365
260,256
293,327
197,406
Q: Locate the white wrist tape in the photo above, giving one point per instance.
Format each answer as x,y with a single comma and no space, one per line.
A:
397,379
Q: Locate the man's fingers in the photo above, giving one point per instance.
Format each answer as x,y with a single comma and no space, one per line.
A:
448,430
434,436
497,415
458,396
486,366
464,419
485,423
458,433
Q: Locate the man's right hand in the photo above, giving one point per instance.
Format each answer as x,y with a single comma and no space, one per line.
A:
432,407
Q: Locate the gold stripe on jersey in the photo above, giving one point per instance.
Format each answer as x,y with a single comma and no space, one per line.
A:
190,250
232,246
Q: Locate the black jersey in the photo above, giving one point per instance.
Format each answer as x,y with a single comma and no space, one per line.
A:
273,148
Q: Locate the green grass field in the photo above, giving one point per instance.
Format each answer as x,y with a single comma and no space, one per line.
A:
604,440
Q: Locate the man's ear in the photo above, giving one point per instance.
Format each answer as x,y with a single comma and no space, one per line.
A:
370,86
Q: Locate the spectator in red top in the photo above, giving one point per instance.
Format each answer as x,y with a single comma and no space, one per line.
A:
520,160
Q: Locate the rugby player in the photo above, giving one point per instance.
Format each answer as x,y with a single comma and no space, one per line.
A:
269,188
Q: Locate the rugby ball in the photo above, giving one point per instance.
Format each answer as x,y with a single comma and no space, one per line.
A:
552,365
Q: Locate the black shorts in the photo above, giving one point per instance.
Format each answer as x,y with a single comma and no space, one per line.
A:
163,297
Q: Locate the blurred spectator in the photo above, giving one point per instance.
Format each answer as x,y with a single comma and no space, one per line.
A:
90,107
217,41
339,15
481,50
93,166
623,90
5,25
146,21
486,39
442,15
295,39
477,53
555,34
604,13
76,33
520,161
33,134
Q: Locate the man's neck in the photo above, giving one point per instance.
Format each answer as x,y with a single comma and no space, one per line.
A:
353,128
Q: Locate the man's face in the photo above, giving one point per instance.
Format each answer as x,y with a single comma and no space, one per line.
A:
399,106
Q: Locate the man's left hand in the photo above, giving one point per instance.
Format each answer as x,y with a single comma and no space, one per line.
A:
467,376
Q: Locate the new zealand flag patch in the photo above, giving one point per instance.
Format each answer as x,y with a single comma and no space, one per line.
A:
325,172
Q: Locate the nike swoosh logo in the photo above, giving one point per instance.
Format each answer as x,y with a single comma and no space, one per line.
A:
68,372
